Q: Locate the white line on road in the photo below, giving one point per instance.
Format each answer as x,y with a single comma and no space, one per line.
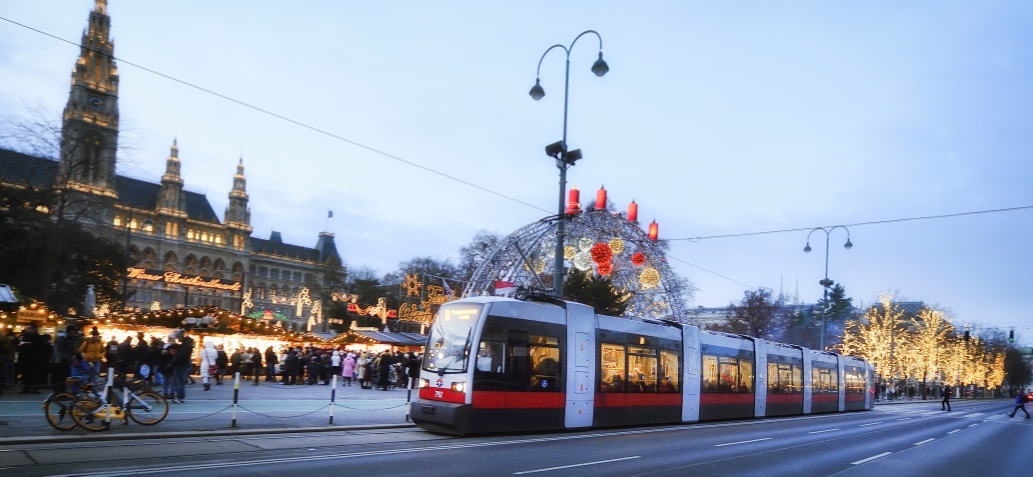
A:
575,465
974,414
994,418
952,432
870,424
884,454
925,441
904,419
742,442
972,425
826,430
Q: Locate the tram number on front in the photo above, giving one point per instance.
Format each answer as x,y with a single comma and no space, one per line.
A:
439,394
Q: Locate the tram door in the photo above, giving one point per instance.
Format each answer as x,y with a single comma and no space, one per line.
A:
580,405
691,378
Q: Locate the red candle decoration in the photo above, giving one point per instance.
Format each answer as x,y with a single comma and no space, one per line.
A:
573,201
604,269
601,253
600,198
633,211
638,259
654,230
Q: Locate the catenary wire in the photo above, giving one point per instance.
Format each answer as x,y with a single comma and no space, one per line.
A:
858,224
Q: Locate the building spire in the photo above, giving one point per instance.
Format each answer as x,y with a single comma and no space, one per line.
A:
239,180
237,213
101,6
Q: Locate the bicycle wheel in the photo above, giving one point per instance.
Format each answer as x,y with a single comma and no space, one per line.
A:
58,409
153,411
85,414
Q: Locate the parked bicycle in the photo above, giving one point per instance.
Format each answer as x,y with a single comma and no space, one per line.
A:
136,401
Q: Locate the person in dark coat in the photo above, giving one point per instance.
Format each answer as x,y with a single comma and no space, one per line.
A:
945,404
168,351
256,358
290,366
140,354
384,370
221,361
124,358
181,364
270,364
66,345
414,370
33,358
314,369
153,358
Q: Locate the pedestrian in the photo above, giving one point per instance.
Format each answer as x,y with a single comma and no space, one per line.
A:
362,373
181,364
256,358
168,351
348,368
270,364
33,358
140,355
1020,403
335,363
124,358
945,404
111,356
414,370
65,348
384,369
8,350
221,361
290,366
235,360
153,356
209,368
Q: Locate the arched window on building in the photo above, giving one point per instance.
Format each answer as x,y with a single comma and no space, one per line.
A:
169,262
190,265
238,271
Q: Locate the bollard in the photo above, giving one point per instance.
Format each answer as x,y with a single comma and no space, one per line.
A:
408,401
333,396
104,396
236,395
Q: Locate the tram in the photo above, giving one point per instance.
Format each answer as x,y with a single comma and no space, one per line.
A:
495,364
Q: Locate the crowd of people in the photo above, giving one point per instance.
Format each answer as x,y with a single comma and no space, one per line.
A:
40,362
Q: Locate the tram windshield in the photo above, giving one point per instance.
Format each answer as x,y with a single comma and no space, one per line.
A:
449,346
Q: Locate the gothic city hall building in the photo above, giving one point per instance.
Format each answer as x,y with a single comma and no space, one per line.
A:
181,253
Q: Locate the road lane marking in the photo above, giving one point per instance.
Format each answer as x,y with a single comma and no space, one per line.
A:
925,441
904,419
994,418
742,442
972,425
826,430
952,432
974,414
879,456
575,465
870,424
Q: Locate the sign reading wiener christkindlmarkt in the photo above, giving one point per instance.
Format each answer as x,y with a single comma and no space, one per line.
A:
176,278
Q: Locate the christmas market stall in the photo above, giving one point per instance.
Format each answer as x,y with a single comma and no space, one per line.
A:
372,339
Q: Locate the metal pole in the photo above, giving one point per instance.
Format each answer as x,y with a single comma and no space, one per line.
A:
408,400
333,396
236,396
125,276
557,277
826,293
106,395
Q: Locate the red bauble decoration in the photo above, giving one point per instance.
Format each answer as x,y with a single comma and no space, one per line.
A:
601,253
638,259
604,268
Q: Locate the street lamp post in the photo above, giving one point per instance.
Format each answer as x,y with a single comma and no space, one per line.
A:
559,151
826,283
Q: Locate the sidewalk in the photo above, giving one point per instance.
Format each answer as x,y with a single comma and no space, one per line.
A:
268,407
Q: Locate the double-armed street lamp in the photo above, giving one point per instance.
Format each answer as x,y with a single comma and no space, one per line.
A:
559,151
826,283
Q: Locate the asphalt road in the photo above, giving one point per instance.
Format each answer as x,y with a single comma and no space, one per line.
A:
977,438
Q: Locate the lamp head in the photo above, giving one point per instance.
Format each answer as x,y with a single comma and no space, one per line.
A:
536,91
807,248
600,67
848,245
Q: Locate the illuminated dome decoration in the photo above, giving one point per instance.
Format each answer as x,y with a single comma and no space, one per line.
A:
583,261
639,269
585,243
617,246
601,253
649,278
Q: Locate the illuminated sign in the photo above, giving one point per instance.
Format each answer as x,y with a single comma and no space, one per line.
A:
460,312
175,278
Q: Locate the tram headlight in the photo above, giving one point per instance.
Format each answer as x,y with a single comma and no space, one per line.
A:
424,383
459,387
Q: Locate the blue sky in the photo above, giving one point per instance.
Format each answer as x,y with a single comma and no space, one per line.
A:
715,117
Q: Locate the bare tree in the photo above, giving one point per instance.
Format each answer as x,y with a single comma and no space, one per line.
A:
758,314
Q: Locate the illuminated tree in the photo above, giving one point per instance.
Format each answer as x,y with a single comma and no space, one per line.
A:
873,336
929,336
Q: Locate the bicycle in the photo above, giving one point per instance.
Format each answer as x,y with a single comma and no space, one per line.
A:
57,407
138,402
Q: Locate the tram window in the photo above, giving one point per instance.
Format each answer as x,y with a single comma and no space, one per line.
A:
728,370
641,370
710,374
669,372
611,368
745,376
491,357
796,377
545,357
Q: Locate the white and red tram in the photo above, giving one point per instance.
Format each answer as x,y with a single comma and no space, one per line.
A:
497,364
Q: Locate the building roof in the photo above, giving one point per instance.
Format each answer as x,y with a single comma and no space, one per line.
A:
6,295
138,193
19,168
274,247
392,338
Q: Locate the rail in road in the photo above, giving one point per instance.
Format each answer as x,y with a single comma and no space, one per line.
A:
974,439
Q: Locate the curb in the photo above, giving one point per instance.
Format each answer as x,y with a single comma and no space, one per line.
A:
177,434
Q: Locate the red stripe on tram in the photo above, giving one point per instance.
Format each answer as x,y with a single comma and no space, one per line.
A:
518,400
710,399
785,398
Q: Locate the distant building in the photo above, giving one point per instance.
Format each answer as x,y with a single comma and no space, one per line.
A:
167,228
